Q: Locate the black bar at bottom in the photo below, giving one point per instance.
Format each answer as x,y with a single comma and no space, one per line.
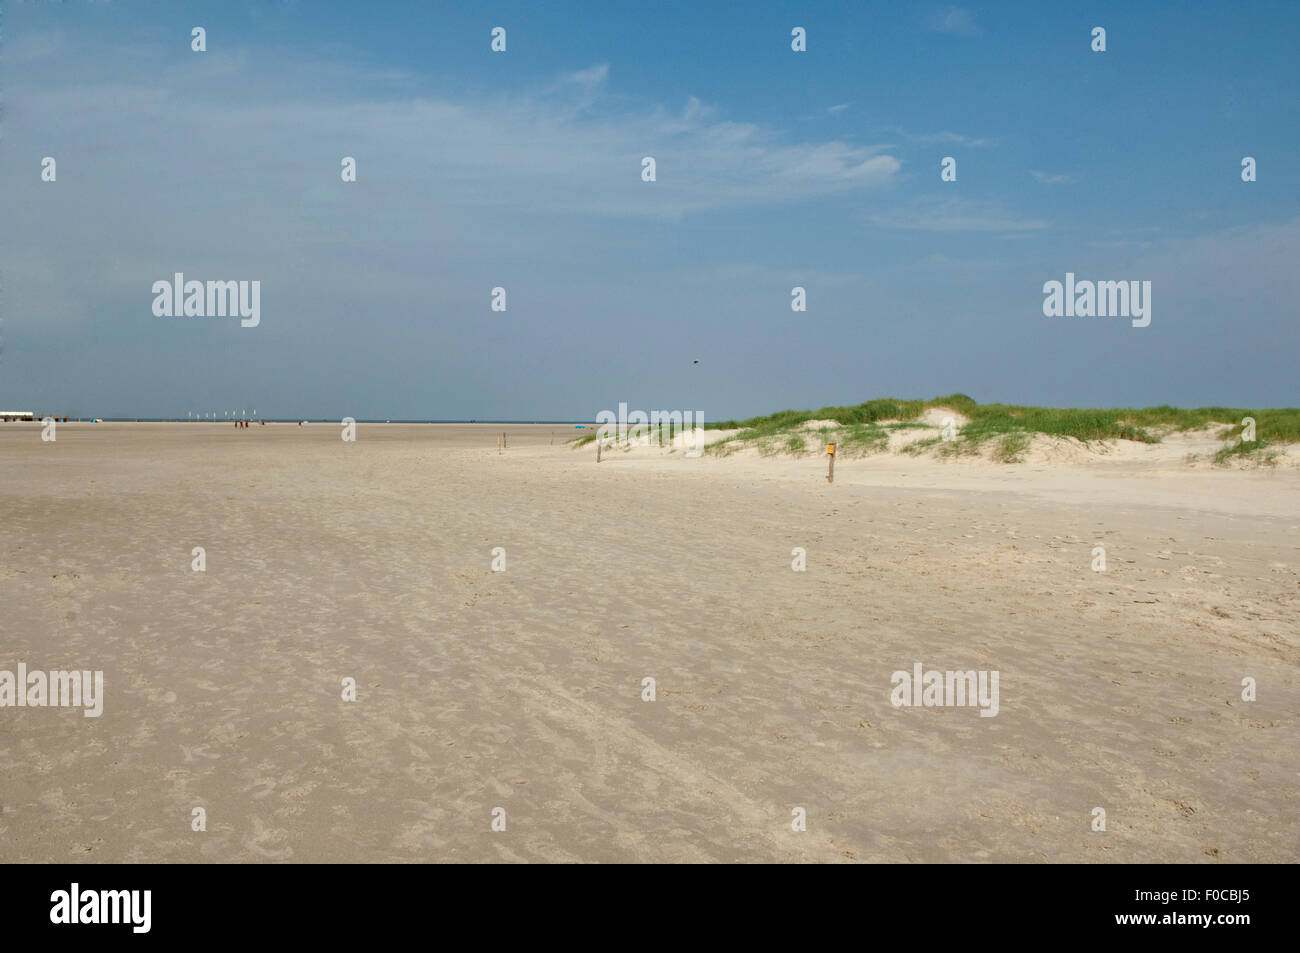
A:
942,903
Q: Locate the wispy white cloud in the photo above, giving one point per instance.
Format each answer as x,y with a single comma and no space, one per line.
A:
947,138
573,147
955,20
937,214
227,165
592,76
823,113
1051,178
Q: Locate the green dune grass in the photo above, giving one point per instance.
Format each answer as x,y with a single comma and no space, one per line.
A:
863,429
1145,423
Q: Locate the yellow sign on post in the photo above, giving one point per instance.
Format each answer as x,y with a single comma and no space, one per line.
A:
830,448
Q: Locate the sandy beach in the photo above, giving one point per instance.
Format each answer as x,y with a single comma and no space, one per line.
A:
523,689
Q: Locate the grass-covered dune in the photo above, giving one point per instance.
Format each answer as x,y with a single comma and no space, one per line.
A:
866,427
1005,431
1144,424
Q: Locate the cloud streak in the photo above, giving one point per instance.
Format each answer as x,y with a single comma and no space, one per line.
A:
570,149
1051,178
937,214
955,20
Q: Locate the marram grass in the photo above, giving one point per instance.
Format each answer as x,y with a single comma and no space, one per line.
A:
1282,425
863,429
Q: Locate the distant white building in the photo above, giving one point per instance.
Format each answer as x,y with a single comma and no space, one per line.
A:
17,415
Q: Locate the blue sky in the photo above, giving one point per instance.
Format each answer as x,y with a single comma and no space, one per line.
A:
522,169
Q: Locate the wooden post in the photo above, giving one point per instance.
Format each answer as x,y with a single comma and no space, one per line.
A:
830,452
498,445
598,448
